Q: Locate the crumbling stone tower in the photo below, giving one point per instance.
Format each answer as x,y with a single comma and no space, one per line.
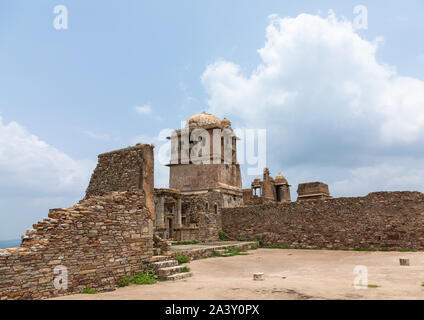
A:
269,189
194,170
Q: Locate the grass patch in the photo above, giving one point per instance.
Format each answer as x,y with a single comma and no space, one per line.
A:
253,247
183,243
182,259
241,239
284,246
186,269
222,236
365,249
90,291
370,286
287,247
230,253
148,277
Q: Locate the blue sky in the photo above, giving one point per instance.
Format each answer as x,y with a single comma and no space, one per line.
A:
68,95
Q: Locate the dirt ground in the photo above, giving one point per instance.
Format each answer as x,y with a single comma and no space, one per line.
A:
289,274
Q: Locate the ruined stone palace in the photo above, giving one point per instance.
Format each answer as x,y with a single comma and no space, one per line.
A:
123,222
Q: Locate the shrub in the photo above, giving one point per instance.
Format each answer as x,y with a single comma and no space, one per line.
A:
186,269
259,240
124,282
182,259
90,291
148,277
253,247
222,236
145,278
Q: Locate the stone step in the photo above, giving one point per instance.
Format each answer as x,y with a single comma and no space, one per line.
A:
179,276
158,258
163,264
164,272
220,251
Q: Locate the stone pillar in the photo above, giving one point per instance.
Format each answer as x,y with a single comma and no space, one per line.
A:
286,193
178,215
160,217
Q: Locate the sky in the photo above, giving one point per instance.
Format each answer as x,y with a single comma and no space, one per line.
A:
340,104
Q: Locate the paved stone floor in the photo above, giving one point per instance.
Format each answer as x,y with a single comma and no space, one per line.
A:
290,275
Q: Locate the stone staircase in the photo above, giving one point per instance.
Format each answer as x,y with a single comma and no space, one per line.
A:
168,269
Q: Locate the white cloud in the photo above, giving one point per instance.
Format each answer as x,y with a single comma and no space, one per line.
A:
34,177
28,163
143,110
326,101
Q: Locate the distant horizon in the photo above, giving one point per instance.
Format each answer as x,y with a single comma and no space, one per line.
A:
10,243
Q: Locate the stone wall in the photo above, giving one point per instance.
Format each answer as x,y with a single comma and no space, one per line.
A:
99,240
125,169
186,177
202,213
382,220
313,190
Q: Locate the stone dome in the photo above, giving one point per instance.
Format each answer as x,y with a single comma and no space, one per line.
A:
280,179
256,182
226,123
203,119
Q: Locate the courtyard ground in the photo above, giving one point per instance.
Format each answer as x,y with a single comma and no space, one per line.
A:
289,274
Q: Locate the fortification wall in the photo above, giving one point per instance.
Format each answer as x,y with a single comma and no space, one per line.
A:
382,220
100,240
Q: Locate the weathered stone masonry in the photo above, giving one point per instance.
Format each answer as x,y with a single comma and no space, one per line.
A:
99,240
105,237
125,169
381,220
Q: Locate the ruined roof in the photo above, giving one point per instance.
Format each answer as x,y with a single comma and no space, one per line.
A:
256,183
280,179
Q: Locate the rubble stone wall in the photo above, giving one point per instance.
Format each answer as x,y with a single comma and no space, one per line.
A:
125,169
202,211
100,240
381,220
